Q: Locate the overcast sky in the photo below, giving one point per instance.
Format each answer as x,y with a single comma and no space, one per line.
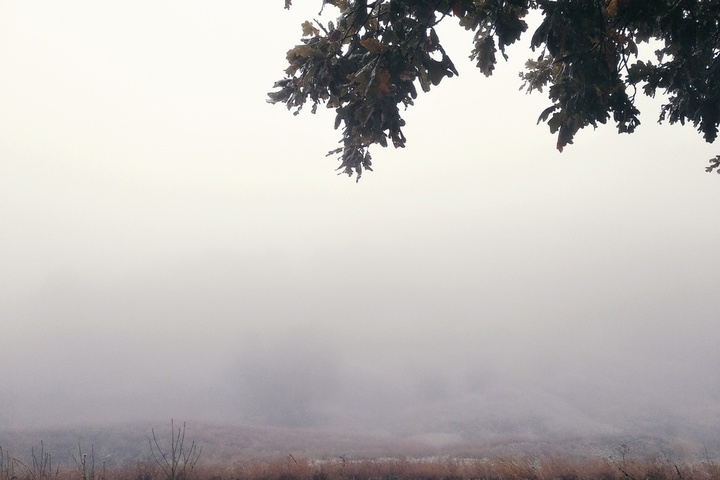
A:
171,245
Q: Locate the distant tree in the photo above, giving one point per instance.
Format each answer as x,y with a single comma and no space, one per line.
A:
370,62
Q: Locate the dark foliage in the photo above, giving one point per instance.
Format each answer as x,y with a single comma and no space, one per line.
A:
370,62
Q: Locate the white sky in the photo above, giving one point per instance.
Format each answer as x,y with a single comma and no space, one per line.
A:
150,196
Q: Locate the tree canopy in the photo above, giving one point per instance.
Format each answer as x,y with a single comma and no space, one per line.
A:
369,63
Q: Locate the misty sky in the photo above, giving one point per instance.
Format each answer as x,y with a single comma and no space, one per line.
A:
171,245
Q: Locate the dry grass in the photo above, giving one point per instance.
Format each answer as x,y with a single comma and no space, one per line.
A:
278,454
290,468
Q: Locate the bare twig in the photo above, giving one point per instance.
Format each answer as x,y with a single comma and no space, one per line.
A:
176,463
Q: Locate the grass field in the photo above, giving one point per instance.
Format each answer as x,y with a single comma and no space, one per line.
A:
212,452
440,468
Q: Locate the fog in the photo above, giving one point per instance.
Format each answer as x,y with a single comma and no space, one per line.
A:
171,246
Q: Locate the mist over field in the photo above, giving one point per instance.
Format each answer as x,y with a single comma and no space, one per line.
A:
288,345
173,247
